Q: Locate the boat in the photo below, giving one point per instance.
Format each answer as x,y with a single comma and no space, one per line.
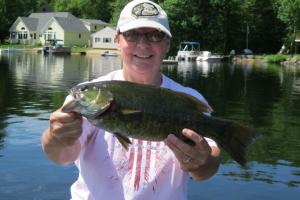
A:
107,53
188,51
170,60
56,47
209,57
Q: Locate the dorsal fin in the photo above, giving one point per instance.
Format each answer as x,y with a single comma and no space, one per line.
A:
204,107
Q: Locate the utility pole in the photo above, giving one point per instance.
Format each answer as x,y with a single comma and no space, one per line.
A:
247,34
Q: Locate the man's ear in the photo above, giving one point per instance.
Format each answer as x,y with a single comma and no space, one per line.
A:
168,45
117,41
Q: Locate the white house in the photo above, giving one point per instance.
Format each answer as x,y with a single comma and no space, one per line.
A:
104,39
41,27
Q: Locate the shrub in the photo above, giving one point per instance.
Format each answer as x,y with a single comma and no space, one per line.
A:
278,58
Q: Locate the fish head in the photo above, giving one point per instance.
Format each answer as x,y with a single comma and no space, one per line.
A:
89,100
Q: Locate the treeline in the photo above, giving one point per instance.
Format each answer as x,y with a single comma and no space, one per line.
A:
219,25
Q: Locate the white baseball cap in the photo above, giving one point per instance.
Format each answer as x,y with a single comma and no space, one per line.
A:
143,14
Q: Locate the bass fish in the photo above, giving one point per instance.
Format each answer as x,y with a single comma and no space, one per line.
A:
148,112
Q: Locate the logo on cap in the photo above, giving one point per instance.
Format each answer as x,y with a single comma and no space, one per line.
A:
144,10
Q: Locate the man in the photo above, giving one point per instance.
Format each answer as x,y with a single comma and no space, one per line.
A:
148,170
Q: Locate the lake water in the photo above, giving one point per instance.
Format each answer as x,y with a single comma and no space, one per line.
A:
266,97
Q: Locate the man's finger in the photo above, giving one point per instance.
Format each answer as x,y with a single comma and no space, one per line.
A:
201,143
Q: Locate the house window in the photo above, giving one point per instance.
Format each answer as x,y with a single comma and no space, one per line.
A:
22,28
49,28
97,40
22,35
79,35
95,27
50,35
13,35
34,35
106,40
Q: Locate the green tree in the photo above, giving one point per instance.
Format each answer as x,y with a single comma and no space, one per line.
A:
289,13
266,30
215,23
78,8
226,25
101,9
3,19
117,6
92,9
11,10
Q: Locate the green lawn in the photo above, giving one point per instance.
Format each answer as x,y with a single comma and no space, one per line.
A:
18,46
21,46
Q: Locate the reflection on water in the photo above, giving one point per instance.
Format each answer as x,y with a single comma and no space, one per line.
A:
266,97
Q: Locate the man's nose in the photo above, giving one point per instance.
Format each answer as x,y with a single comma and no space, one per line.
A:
143,39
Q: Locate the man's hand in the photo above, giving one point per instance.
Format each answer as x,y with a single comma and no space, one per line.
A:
60,141
65,127
200,160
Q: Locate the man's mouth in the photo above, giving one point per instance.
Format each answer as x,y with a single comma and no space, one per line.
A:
143,56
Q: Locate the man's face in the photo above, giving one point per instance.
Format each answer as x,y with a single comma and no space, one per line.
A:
143,50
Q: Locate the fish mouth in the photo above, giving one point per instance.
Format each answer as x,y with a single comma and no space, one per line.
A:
70,106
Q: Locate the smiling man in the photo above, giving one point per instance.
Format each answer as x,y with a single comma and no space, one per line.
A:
148,170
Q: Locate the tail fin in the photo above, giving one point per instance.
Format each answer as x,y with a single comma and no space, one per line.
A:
235,139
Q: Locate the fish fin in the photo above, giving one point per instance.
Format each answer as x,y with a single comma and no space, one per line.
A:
236,139
129,112
123,140
201,105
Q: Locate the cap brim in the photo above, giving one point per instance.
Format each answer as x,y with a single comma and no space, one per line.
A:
144,24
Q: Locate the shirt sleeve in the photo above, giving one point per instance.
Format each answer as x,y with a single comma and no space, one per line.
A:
87,130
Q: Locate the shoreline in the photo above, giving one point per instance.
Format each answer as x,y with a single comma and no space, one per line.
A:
74,52
291,60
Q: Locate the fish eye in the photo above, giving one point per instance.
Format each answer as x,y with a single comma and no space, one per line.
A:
82,96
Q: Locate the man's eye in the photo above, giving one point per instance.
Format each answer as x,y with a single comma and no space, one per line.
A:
133,35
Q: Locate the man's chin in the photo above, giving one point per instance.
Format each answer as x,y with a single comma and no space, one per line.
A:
143,68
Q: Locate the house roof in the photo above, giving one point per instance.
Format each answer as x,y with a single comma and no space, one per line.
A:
43,18
30,23
70,24
94,21
105,29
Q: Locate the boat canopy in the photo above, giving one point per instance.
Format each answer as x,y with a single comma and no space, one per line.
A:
189,46
191,43
55,42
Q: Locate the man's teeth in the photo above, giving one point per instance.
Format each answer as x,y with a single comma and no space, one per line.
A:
139,56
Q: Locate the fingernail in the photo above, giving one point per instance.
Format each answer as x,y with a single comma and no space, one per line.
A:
186,132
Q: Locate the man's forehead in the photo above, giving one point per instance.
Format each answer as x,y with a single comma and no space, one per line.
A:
144,29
